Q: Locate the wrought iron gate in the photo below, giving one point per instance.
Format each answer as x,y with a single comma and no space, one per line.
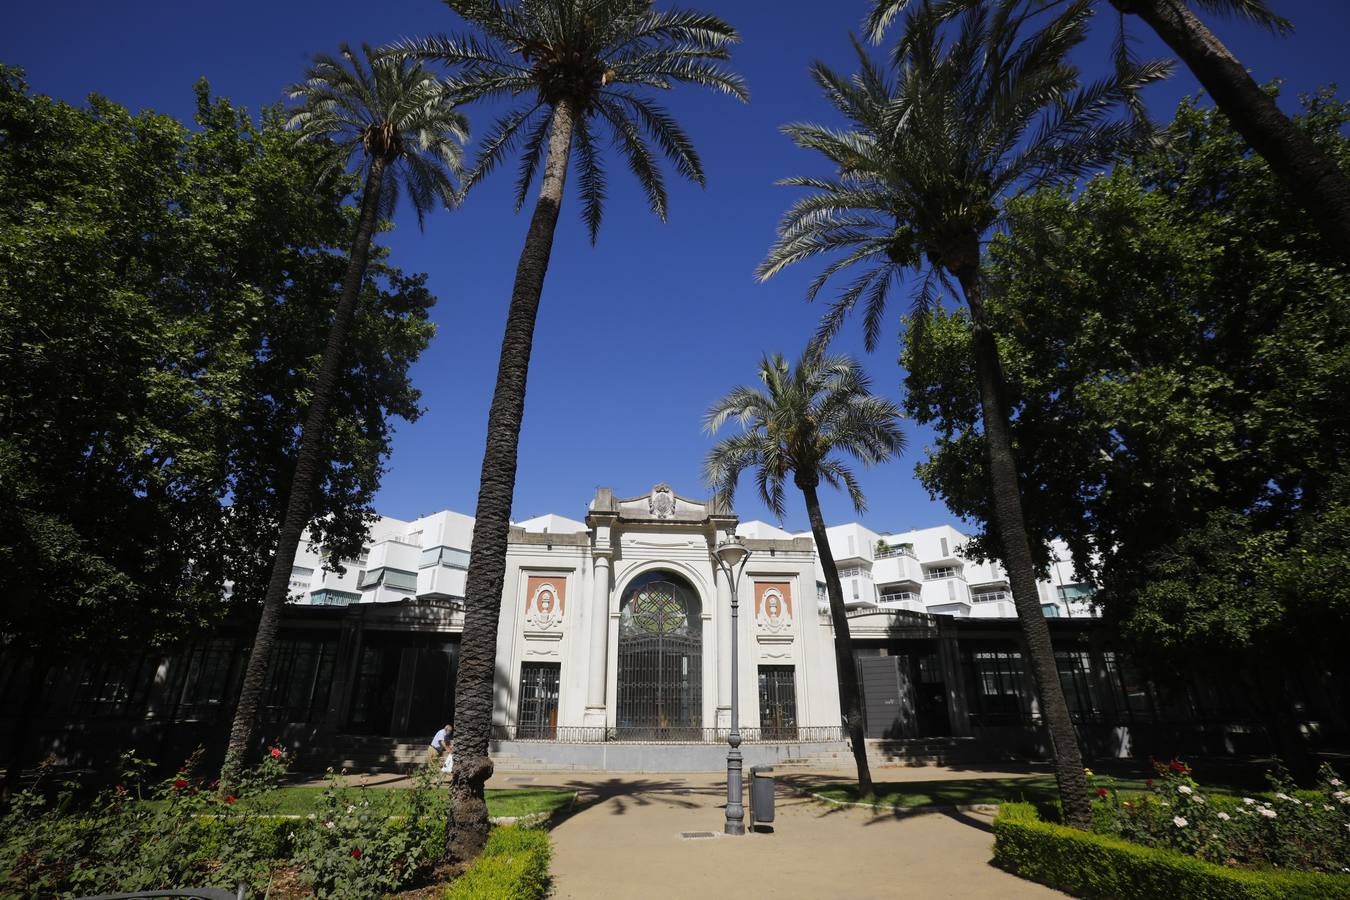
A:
538,717
777,703
660,672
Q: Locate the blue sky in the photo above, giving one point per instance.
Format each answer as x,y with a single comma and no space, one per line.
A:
638,334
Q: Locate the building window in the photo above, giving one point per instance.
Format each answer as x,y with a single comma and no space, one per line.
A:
993,596
301,578
777,703
995,678
852,546
392,578
822,592
1050,610
937,573
450,557
1075,592
538,716
1073,666
855,588
298,680
114,687
943,543
331,597
206,679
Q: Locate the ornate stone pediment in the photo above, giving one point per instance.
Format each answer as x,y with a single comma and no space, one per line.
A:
662,504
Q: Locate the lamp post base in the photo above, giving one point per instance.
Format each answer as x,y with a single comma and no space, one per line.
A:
735,809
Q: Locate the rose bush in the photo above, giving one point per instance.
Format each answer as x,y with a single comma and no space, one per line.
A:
1305,830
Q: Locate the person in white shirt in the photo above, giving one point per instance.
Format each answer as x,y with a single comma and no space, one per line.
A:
442,748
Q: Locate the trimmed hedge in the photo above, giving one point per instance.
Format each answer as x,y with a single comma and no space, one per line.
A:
1095,865
513,866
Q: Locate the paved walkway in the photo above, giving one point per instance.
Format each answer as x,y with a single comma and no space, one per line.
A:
624,838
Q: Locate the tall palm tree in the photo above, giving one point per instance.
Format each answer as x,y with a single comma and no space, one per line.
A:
396,121
1314,178
803,419
975,113
575,69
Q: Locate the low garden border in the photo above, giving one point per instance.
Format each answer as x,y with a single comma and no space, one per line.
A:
513,864
1095,865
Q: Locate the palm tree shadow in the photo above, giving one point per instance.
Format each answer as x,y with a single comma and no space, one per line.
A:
624,792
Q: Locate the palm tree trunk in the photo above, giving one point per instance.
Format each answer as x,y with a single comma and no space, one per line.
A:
850,697
468,825
1312,176
1010,525
304,482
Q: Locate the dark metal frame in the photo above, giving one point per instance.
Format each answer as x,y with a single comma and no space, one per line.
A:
660,658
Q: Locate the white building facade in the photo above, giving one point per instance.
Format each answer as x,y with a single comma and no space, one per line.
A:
619,627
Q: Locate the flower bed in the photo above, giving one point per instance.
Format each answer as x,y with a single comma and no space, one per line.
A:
1176,839
350,841
1096,865
1290,829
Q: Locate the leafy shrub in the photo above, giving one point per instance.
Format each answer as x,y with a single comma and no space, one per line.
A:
1097,865
186,834
1306,830
365,843
514,865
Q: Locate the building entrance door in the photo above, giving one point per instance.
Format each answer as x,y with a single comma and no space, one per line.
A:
538,716
660,671
777,703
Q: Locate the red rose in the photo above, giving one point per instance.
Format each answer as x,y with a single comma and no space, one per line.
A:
1102,792
276,752
179,784
229,798
356,853
1149,782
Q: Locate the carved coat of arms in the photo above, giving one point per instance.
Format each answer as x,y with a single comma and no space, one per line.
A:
544,608
662,501
774,614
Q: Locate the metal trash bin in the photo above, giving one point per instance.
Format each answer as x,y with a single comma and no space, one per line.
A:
761,795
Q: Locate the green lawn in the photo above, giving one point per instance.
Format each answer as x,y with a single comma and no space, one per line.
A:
905,794
300,801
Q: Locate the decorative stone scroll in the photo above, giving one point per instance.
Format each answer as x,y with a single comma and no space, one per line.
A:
662,501
774,618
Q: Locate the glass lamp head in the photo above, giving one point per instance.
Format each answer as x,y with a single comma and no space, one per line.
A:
732,552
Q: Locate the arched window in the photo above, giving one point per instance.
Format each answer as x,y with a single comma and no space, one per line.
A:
660,674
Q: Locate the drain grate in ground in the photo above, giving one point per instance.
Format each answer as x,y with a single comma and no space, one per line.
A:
694,835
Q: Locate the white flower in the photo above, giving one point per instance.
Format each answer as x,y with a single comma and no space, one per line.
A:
1336,782
1328,807
1179,821
1283,796
328,824
1199,799
1267,812
1183,790
1248,800
312,817
1224,816
1341,795
1295,801
351,808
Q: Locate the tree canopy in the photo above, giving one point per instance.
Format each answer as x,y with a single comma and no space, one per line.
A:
164,294
1176,339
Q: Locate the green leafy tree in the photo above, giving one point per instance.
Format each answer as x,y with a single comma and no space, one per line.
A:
162,297
972,116
798,425
1176,343
1320,184
576,70
399,122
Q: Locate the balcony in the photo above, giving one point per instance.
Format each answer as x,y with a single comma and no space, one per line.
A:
893,552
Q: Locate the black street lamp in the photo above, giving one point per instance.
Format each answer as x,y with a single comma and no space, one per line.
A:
731,555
